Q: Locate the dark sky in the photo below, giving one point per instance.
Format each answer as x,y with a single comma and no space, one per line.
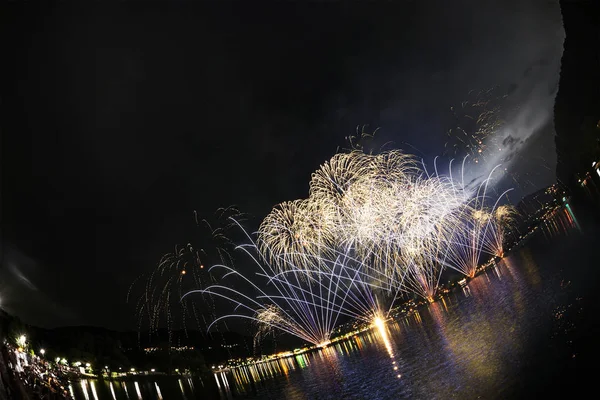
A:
120,119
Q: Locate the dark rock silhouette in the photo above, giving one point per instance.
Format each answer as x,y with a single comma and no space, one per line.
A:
577,105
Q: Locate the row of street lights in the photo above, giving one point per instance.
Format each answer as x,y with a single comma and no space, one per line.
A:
22,342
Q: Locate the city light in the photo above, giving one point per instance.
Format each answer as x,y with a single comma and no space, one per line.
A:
378,322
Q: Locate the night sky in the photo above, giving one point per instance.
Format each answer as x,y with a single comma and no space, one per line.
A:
119,120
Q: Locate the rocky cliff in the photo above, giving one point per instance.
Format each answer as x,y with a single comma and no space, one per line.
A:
577,106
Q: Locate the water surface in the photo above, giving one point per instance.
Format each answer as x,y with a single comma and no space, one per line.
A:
518,330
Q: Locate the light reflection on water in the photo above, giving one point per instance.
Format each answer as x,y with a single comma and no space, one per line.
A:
473,343
112,391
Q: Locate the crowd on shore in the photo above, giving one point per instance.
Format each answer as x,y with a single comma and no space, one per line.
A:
27,376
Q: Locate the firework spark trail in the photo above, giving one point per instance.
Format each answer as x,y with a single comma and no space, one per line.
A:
312,320
477,121
503,220
477,231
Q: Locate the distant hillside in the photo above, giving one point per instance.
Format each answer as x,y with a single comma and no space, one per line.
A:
101,346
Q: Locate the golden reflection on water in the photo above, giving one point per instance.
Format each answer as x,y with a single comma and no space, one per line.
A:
137,390
158,393
93,387
112,391
183,391
478,339
518,298
382,329
125,389
530,269
247,375
84,389
561,221
470,345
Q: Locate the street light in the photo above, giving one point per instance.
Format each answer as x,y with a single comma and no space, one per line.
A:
42,351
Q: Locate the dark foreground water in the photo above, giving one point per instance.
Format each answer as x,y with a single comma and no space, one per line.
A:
525,329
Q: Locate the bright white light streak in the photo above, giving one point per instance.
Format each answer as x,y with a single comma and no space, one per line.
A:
137,390
159,394
112,390
84,389
93,387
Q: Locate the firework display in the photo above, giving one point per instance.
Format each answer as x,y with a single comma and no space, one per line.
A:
373,229
160,304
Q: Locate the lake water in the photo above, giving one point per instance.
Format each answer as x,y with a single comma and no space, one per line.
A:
521,329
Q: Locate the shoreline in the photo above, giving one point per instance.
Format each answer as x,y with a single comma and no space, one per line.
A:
446,290
412,305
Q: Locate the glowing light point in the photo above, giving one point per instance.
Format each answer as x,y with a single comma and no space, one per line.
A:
22,340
